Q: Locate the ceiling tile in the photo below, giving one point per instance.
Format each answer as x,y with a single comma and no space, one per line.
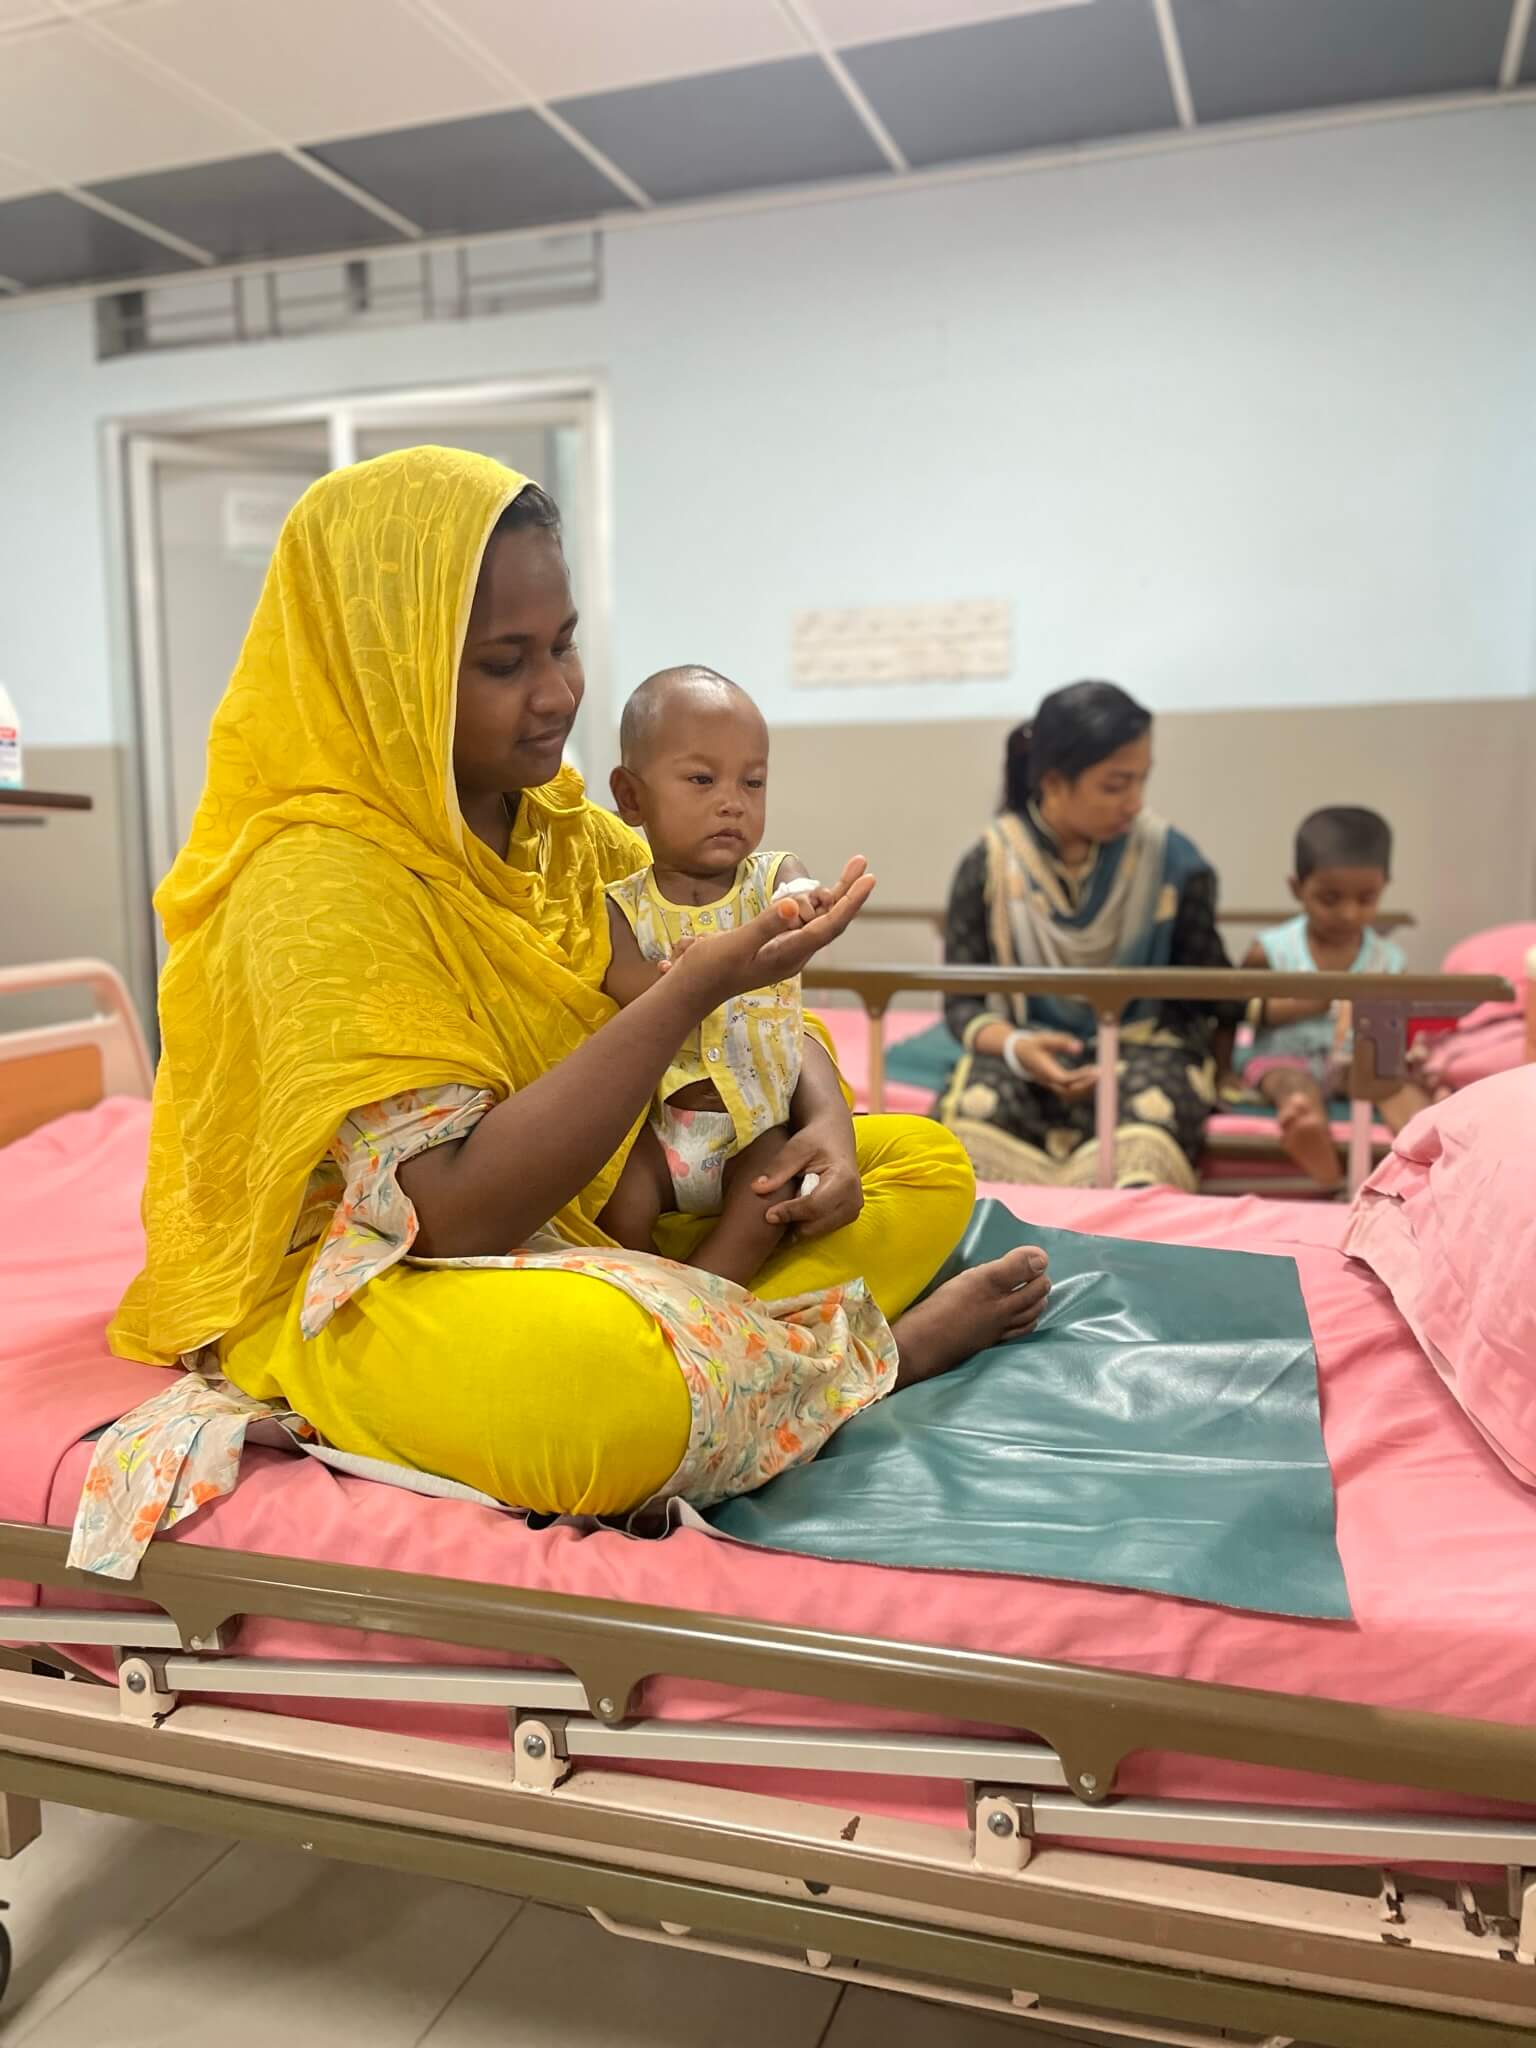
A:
248,206
31,14
1070,74
1252,57
15,178
76,110
871,21
562,47
731,131
304,68
50,240
472,177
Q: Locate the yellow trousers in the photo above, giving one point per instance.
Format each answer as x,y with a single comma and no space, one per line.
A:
555,1391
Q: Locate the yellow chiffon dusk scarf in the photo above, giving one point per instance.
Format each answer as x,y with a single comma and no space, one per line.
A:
336,933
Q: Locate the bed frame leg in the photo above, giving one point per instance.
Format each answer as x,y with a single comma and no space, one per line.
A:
1362,1117
21,1822
1107,1096
874,1087
1524,1887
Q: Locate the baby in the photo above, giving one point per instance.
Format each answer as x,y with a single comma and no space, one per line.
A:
1301,1050
694,774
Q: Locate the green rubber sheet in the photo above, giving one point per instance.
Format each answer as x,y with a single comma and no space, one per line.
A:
1159,1430
925,1060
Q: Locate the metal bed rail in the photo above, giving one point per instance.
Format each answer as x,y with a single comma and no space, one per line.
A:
1381,1005
50,1069
1089,1720
1386,922
1025,1866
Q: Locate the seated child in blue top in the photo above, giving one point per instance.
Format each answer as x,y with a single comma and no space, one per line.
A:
1301,1050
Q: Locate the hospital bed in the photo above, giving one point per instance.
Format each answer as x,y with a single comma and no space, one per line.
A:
1382,1005
1099,1810
1242,1153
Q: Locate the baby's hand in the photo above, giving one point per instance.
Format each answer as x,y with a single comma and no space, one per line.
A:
807,899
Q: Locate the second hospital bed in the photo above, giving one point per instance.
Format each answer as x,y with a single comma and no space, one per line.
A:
1091,1808
1242,1154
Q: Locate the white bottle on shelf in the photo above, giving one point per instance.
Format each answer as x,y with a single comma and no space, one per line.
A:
10,743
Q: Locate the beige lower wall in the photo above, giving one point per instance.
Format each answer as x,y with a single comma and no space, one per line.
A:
1456,781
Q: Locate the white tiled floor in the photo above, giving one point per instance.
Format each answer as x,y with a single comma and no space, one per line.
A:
136,1937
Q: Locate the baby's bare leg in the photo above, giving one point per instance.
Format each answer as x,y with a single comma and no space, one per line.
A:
1303,1118
741,1241
644,1190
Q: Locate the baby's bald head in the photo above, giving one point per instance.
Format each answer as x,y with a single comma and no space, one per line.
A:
694,773
673,698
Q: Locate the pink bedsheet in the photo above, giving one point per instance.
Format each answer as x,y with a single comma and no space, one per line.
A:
1437,1539
850,1035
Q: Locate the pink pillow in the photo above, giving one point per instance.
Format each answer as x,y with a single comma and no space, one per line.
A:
1489,1042
1503,950
1448,1223
1491,1038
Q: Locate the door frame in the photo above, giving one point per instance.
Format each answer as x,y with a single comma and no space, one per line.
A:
134,444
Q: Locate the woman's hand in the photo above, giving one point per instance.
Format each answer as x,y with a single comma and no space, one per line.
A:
824,1147
1034,1054
772,946
811,903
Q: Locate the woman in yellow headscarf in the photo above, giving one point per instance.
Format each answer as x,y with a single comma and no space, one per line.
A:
385,1035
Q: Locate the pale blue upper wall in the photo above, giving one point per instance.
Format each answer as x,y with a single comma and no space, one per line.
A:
1241,425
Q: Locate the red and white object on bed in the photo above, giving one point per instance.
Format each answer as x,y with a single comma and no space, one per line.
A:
1438,1540
1495,1036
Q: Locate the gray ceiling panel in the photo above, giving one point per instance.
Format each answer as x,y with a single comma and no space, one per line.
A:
1070,74
783,123
246,207
1528,68
474,177
48,239
1253,57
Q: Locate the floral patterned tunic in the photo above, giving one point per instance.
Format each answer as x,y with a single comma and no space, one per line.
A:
768,1382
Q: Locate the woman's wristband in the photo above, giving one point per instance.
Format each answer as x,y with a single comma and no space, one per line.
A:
1011,1058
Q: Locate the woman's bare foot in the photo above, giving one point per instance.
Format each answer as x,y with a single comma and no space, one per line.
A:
1305,1134
989,1305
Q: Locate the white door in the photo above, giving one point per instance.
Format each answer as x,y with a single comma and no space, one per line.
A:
555,443
204,527
205,506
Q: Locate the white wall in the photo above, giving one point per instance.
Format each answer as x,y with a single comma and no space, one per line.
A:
54,648
56,652
1246,425
1251,425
